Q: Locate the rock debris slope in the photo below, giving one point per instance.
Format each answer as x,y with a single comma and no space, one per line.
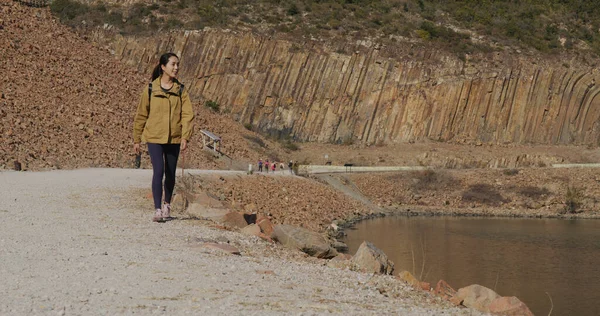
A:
65,102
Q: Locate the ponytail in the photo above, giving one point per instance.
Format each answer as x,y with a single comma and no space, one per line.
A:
157,72
163,61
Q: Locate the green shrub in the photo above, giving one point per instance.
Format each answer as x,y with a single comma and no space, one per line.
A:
213,105
348,141
290,145
573,199
510,172
256,140
139,10
293,9
423,34
67,9
173,23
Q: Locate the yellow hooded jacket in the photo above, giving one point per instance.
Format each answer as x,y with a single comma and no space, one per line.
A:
166,119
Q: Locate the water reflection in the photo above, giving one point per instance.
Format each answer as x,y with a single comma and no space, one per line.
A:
516,257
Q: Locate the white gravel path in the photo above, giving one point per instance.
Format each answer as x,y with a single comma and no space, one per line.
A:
72,243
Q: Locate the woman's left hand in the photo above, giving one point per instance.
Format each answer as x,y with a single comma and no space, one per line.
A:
184,144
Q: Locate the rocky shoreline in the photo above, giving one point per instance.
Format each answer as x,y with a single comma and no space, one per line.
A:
237,196
470,193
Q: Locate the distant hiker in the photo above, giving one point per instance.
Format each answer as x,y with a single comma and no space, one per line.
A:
267,165
281,167
260,164
163,120
274,166
290,165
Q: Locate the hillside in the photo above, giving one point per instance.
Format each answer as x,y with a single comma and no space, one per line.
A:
65,102
548,27
372,72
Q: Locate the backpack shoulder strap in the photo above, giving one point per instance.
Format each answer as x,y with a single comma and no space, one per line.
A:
181,86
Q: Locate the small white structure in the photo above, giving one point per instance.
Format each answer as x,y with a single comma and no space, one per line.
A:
211,141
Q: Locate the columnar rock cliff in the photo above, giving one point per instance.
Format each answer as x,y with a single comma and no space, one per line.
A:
312,93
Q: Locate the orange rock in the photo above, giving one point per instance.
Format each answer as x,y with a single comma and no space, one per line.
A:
265,225
444,290
409,278
265,237
235,219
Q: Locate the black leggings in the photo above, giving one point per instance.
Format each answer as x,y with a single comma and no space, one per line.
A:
164,162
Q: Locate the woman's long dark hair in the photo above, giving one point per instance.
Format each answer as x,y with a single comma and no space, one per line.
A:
163,61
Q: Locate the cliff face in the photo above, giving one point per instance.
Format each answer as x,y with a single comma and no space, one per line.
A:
313,94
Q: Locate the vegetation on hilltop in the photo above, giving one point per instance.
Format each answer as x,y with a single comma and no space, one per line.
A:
461,26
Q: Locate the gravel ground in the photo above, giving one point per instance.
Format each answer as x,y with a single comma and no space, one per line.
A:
74,243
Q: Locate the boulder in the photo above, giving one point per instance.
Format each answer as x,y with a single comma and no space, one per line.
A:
444,290
409,278
342,261
425,286
252,230
235,219
203,198
265,224
477,297
369,258
339,246
313,244
201,211
509,306
265,237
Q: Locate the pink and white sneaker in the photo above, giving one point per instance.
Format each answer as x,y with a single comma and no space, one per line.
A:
158,216
166,211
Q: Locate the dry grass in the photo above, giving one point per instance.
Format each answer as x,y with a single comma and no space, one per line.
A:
432,180
483,194
534,192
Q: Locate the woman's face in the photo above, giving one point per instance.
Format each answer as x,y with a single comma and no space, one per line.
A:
171,68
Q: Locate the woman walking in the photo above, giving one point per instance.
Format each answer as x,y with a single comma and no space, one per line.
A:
163,120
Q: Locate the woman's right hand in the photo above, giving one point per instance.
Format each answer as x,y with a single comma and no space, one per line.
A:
136,148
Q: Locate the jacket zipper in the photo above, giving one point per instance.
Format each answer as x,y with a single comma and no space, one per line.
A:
170,116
